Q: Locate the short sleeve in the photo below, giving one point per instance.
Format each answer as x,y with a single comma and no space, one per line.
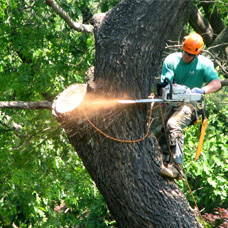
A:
167,71
210,73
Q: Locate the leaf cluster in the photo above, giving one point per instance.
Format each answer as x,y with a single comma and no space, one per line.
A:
39,52
208,175
43,181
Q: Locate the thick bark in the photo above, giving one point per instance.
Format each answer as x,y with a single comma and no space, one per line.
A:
220,44
176,38
179,31
127,174
212,13
129,44
201,25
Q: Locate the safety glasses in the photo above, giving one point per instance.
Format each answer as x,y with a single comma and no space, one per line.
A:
190,55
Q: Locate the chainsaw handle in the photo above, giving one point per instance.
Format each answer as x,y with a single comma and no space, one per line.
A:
170,88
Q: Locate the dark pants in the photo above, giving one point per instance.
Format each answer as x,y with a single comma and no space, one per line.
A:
176,119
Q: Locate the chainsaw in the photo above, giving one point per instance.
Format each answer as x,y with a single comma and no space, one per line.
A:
168,92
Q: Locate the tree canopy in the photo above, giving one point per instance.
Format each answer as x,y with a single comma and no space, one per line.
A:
43,181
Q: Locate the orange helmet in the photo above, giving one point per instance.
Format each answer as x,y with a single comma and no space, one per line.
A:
193,44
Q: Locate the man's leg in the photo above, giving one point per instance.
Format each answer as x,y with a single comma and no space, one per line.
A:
182,117
162,139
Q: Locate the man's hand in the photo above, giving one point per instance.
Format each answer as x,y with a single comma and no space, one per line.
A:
198,90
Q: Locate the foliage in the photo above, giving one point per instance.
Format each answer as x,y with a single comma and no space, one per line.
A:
43,181
40,53
208,175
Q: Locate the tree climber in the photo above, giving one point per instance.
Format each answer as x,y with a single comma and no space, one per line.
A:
197,72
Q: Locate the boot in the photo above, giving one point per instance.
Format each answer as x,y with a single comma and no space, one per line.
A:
172,171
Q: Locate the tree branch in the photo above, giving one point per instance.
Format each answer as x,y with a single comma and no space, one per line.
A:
224,82
219,62
222,38
201,25
214,17
222,2
218,45
71,23
47,104
26,105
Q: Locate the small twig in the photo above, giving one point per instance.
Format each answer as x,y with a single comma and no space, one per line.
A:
217,62
219,45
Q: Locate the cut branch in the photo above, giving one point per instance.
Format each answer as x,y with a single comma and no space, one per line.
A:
26,105
66,105
71,23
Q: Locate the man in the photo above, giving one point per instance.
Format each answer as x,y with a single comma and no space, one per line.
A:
197,72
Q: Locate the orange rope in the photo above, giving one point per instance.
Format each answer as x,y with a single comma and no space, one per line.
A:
123,140
138,140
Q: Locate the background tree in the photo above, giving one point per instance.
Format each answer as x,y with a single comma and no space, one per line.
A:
45,62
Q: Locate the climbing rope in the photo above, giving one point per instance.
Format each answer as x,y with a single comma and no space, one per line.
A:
138,140
123,140
179,169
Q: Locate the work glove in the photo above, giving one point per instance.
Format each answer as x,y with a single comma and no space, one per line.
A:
198,90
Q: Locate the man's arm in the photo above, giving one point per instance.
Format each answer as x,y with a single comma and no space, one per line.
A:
212,86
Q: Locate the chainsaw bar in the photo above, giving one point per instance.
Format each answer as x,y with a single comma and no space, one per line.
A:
139,101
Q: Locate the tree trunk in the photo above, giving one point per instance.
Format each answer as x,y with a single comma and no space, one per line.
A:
129,43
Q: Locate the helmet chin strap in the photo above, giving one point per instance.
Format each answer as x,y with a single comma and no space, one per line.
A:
193,59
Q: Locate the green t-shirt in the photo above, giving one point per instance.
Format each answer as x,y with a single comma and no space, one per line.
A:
195,74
